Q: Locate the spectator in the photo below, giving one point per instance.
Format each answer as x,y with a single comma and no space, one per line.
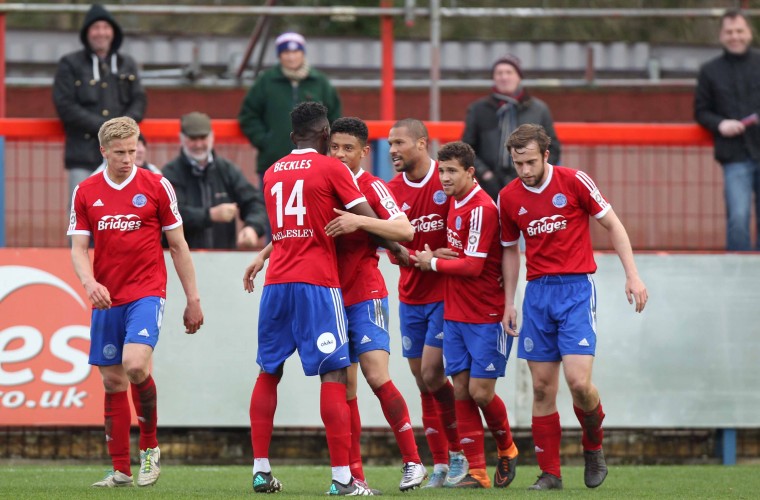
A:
140,160
91,86
212,192
491,119
726,103
265,114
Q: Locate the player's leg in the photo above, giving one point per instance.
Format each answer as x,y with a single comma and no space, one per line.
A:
106,345
143,324
261,413
355,452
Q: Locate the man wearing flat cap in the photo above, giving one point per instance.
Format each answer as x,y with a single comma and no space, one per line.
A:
212,192
490,120
265,114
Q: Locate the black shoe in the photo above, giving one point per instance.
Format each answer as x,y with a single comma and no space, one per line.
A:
265,482
506,469
547,481
467,481
596,468
352,489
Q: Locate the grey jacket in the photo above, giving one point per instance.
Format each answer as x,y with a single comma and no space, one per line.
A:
88,91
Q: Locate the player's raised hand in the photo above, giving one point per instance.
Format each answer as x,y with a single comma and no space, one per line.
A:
251,271
509,321
635,290
193,317
98,295
345,223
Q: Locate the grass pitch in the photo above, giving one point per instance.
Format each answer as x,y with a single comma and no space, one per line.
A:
181,481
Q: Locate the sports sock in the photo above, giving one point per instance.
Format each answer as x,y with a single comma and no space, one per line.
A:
145,401
495,414
336,418
434,435
355,452
471,432
261,411
444,398
591,422
547,435
397,414
118,417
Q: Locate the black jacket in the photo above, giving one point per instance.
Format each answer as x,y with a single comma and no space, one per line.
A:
85,99
729,87
481,131
220,182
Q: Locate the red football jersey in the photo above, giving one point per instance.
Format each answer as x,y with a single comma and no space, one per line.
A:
473,231
301,190
426,206
360,279
125,222
554,220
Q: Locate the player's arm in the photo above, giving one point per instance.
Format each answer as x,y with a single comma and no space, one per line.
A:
80,257
396,229
510,271
183,264
255,267
634,287
467,266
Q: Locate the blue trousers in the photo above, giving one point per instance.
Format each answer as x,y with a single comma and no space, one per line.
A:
742,182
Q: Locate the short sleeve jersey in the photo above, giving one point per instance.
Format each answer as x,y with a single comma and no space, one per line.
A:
360,278
301,190
426,206
473,231
554,219
125,222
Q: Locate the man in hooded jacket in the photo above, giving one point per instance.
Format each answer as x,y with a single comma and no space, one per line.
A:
92,86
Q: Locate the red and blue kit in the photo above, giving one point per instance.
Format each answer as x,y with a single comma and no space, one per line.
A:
554,220
301,191
125,222
426,206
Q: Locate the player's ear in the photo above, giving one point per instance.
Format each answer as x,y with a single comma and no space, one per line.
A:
293,138
365,151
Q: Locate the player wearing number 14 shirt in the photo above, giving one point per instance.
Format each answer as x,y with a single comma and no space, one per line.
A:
301,305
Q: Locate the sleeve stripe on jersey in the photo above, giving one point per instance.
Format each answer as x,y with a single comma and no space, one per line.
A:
586,180
169,228
169,190
382,192
73,215
509,243
355,202
340,314
476,223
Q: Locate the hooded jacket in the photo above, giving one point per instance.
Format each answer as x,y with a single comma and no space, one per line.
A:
88,91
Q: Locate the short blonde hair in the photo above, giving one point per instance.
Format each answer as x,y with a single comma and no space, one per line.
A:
122,127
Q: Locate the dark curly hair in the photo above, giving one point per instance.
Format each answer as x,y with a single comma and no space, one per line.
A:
460,151
351,126
308,117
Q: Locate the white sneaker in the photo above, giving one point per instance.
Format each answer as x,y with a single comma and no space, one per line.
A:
150,467
413,476
114,479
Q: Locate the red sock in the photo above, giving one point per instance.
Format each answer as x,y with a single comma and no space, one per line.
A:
495,413
436,439
118,417
591,421
355,452
145,400
261,411
336,418
547,435
444,398
471,432
397,415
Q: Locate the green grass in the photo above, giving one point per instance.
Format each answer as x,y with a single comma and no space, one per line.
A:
624,482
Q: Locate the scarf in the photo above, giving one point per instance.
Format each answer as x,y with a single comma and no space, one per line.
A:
296,75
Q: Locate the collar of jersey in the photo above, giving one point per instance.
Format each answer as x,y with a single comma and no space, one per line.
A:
467,198
358,174
424,179
124,184
539,190
303,151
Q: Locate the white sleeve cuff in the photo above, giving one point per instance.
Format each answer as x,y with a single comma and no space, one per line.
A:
433,263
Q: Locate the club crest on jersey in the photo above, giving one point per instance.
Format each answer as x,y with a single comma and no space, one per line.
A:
139,200
559,200
439,197
458,222
326,343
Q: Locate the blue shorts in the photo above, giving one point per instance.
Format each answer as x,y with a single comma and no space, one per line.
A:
306,317
421,325
368,327
559,318
482,348
137,322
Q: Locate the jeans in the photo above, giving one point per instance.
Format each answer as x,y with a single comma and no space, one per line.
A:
742,182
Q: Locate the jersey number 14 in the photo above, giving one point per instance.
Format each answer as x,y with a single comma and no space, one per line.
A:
294,206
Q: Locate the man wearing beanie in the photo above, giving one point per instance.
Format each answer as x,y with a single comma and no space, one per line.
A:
490,120
265,114
92,86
